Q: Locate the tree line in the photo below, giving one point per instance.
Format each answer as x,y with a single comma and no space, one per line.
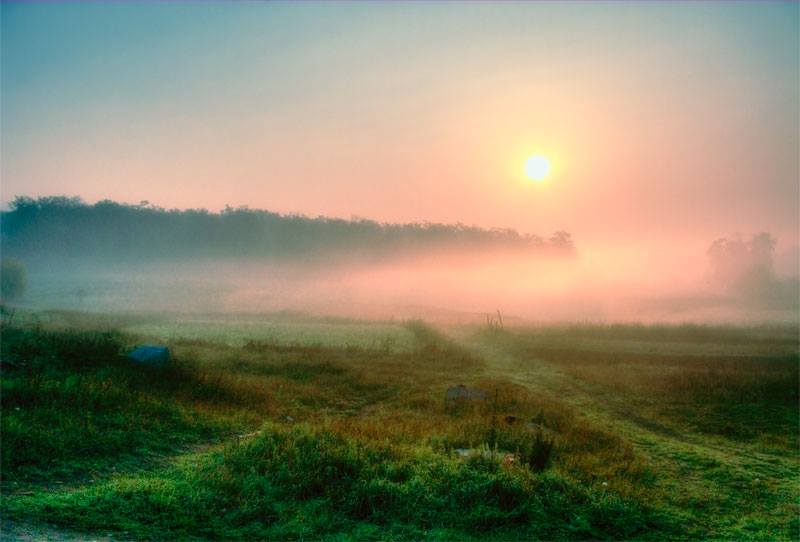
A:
68,227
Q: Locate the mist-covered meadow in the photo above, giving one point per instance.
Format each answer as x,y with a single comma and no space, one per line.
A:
319,390
293,427
367,271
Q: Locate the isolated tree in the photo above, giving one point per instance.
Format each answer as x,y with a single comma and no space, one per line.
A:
744,267
13,280
562,240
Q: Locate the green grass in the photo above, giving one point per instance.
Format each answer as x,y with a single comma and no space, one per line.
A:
278,329
71,405
729,392
719,431
303,482
277,436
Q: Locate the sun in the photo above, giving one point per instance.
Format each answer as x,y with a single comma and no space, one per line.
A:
537,167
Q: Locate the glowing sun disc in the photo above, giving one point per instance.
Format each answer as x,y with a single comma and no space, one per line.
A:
537,168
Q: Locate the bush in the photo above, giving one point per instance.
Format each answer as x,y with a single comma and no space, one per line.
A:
537,452
13,280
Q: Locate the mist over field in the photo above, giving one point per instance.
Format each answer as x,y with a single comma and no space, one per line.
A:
410,271
112,256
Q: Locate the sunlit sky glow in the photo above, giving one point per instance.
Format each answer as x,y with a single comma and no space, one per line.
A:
537,167
666,121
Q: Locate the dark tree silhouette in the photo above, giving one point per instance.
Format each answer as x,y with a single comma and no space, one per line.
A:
62,227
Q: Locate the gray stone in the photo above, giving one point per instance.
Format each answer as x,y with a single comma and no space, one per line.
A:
152,356
463,393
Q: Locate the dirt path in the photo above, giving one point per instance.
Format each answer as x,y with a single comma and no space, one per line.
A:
22,532
691,467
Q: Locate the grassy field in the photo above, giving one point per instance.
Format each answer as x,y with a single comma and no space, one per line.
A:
291,427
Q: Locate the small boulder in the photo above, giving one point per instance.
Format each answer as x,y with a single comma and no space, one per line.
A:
152,356
462,393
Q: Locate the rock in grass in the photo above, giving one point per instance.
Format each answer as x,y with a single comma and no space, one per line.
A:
462,393
151,356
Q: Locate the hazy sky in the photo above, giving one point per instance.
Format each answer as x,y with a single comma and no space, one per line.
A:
666,121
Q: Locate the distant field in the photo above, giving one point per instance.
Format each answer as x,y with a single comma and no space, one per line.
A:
289,426
240,331
287,328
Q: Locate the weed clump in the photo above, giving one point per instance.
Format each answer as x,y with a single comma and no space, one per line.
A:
537,453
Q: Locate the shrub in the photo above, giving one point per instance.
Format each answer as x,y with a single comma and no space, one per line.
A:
537,452
13,280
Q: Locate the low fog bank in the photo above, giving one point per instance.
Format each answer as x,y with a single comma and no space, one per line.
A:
370,270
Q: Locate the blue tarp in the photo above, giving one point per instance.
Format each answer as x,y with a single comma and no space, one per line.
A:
153,356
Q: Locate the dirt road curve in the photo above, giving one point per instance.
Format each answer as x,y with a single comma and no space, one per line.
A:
20,532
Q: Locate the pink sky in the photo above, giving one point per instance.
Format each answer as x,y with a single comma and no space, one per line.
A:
668,125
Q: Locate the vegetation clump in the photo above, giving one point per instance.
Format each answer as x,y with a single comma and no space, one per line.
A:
13,280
